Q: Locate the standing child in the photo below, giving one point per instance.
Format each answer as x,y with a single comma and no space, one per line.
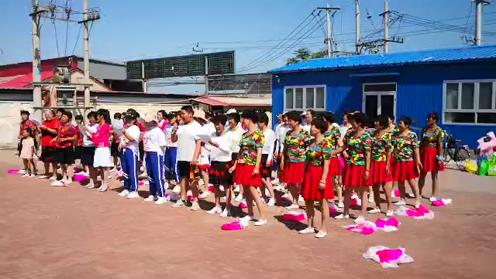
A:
130,157
103,160
78,148
171,152
88,153
117,126
28,150
154,144
66,136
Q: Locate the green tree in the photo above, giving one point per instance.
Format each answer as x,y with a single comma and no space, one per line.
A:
303,54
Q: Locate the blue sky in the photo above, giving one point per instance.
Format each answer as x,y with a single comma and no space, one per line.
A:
154,28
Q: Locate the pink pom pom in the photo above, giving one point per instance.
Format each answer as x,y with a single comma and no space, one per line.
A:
13,171
438,203
211,189
397,193
294,216
141,183
80,177
243,205
233,226
389,255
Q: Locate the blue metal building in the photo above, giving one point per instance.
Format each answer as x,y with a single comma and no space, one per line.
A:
459,84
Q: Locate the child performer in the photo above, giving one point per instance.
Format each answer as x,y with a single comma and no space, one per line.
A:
221,163
103,159
130,156
28,151
88,153
171,152
154,144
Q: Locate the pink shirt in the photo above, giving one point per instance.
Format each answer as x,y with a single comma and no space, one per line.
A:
102,136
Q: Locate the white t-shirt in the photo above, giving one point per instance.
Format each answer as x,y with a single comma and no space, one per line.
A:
87,142
154,141
270,139
117,125
168,137
187,135
221,153
281,132
234,138
135,133
208,128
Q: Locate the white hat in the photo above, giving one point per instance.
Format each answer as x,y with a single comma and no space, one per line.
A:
232,110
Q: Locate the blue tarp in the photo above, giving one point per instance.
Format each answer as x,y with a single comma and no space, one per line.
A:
437,56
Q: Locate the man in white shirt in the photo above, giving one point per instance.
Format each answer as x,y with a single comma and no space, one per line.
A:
130,157
154,145
188,150
267,156
281,131
307,118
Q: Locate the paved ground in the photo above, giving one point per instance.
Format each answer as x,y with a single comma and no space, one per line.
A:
72,232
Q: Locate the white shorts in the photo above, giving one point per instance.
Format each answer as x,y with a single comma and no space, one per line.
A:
103,158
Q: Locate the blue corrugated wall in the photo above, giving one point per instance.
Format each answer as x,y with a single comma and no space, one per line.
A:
419,90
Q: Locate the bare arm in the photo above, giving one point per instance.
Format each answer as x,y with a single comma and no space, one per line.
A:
259,160
196,154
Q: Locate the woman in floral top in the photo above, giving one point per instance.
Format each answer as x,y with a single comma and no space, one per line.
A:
407,163
380,170
317,185
431,150
357,143
248,166
333,137
293,161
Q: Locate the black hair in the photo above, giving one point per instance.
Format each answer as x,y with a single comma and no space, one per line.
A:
406,120
91,114
79,117
117,115
106,115
359,118
251,115
170,115
433,115
312,112
25,112
188,109
383,121
263,118
234,116
391,116
209,114
163,112
61,110
131,116
67,113
329,117
293,115
219,119
321,124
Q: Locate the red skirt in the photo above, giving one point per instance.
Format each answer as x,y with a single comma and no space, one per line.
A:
404,171
293,173
334,167
310,189
428,155
354,176
244,176
378,173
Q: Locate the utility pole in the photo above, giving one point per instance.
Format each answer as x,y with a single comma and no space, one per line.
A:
86,58
329,40
386,26
206,74
478,21
36,60
357,26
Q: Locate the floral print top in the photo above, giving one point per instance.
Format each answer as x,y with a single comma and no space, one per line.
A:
404,146
381,144
248,147
318,152
357,147
432,139
296,146
332,137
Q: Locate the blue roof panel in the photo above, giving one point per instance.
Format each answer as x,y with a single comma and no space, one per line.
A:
437,56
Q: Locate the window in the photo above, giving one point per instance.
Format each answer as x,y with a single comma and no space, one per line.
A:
379,98
303,98
470,102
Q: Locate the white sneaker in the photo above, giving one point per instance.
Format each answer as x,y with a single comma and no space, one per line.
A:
67,181
179,203
340,204
374,211
400,202
124,193
133,195
26,175
150,198
275,181
221,188
342,216
359,220
195,206
177,189
271,202
215,210
301,199
371,199
58,183
90,185
22,172
42,176
308,230
432,199
261,222
321,234
225,213
293,206
245,221
389,213
239,198
161,200
203,195
53,178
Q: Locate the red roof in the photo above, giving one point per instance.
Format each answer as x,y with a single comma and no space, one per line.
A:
22,81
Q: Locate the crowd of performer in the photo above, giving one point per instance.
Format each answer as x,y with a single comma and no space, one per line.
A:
307,156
